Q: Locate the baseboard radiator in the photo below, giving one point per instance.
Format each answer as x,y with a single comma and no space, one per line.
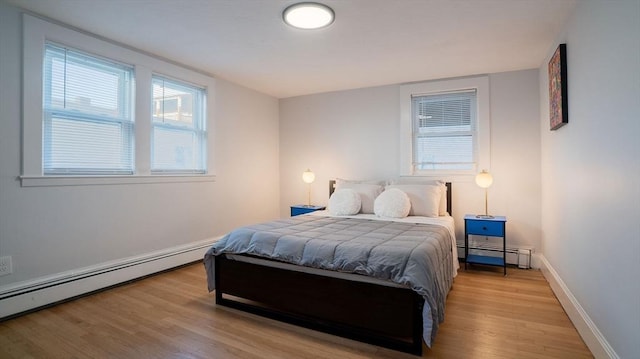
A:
20,298
516,256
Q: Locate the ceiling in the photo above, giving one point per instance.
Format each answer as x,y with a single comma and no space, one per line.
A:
371,42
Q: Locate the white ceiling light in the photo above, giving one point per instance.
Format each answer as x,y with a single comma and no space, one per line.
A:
308,15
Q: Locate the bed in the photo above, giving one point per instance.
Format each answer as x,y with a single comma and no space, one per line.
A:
378,280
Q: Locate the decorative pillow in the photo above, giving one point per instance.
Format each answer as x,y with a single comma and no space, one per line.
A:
367,192
421,180
425,199
392,203
344,202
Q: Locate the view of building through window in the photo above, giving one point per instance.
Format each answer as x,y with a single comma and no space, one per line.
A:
171,104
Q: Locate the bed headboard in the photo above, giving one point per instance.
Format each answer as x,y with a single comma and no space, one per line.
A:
332,187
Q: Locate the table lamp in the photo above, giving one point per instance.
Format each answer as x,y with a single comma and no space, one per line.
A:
308,177
484,180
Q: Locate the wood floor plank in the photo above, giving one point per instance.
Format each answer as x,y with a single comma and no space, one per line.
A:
172,315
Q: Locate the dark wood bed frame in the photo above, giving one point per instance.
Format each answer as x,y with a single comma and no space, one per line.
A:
390,317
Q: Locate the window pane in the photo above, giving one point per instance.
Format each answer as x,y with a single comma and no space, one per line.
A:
446,152
76,146
175,149
179,134
81,83
175,103
444,131
88,126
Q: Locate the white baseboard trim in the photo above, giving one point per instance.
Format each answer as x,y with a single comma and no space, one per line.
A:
594,339
29,295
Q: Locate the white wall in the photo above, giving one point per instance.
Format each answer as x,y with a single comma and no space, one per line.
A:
355,134
591,171
347,134
49,230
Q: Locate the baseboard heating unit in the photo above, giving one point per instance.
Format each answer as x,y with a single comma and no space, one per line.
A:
20,298
516,256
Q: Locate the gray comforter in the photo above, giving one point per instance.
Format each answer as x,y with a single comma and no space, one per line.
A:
414,255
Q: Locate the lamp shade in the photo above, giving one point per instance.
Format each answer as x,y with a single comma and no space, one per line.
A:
484,179
308,176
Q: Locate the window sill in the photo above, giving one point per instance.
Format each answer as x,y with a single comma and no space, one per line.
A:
51,181
448,175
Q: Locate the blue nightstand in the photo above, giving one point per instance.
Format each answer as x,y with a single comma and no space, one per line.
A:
299,209
489,227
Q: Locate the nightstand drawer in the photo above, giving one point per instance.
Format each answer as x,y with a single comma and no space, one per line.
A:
302,209
485,228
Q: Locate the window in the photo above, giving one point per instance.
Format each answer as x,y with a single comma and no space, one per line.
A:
445,127
444,131
178,127
90,115
87,117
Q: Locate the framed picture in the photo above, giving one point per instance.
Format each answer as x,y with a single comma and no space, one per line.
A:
558,108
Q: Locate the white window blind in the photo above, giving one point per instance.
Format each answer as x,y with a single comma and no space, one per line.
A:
444,131
87,117
178,127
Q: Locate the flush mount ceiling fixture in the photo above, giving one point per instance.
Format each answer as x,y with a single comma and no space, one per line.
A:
308,15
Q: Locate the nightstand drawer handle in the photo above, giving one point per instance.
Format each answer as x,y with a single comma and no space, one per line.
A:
484,228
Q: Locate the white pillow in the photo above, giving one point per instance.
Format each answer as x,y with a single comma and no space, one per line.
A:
344,202
367,192
421,180
392,203
425,199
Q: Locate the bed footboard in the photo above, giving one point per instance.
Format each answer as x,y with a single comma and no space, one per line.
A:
390,317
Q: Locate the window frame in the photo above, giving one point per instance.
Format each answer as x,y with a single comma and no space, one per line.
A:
482,141
124,119
199,128
36,32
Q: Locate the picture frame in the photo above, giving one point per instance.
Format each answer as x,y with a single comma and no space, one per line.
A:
558,104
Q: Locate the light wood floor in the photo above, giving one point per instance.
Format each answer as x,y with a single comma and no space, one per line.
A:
172,316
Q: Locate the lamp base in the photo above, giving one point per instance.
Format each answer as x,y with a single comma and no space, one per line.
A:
485,216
